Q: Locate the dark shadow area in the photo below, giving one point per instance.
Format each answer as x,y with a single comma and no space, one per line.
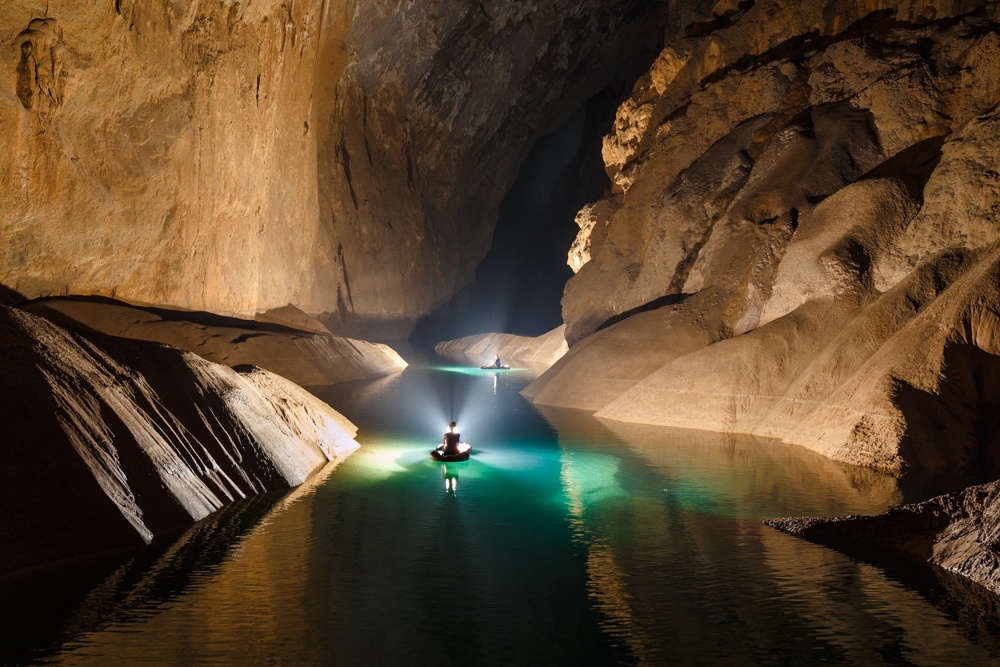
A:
518,286
9,297
47,609
660,302
956,430
914,165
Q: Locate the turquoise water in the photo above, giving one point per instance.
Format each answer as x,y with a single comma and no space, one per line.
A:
563,541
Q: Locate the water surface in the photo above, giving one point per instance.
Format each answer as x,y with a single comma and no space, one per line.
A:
563,541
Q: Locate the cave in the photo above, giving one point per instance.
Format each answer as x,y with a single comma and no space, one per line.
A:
576,332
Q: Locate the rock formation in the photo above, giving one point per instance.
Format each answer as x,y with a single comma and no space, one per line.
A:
800,238
110,442
539,352
284,341
234,157
959,532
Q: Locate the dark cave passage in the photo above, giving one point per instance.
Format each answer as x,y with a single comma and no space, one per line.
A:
519,284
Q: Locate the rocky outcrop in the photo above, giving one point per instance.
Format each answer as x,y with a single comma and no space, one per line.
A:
959,532
110,442
873,386
234,157
603,366
285,341
539,352
737,134
800,241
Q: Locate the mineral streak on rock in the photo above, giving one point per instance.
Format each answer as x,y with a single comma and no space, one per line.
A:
103,446
801,237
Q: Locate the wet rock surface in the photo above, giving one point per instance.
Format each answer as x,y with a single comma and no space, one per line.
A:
959,532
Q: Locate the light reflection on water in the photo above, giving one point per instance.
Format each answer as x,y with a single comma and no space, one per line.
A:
563,541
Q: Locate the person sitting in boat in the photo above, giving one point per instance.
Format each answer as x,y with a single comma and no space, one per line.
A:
451,439
496,361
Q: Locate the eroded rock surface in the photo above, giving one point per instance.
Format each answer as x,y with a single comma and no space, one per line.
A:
104,446
801,240
285,341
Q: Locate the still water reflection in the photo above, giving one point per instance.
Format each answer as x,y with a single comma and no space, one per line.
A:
563,541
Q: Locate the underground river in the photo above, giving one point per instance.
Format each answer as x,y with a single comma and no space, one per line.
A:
562,541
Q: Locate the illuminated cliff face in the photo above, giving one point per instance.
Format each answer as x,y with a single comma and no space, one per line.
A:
801,237
345,157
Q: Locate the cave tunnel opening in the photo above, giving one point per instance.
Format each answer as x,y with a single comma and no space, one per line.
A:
519,284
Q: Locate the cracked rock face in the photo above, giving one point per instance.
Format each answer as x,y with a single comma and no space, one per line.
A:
802,236
234,157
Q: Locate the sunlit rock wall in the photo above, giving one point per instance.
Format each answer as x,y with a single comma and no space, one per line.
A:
103,446
346,157
801,241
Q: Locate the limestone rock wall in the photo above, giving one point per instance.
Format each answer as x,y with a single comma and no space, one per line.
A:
802,236
293,351
103,446
744,126
234,157
159,152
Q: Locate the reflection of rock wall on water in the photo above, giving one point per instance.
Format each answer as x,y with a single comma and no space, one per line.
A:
104,446
736,473
801,239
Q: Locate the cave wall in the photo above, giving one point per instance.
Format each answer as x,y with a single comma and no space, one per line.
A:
233,157
752,115
159,152
427,125
801,233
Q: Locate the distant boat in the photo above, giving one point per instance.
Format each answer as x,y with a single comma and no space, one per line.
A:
491,367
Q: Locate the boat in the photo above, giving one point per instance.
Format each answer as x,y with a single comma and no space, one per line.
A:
495,368
464,451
